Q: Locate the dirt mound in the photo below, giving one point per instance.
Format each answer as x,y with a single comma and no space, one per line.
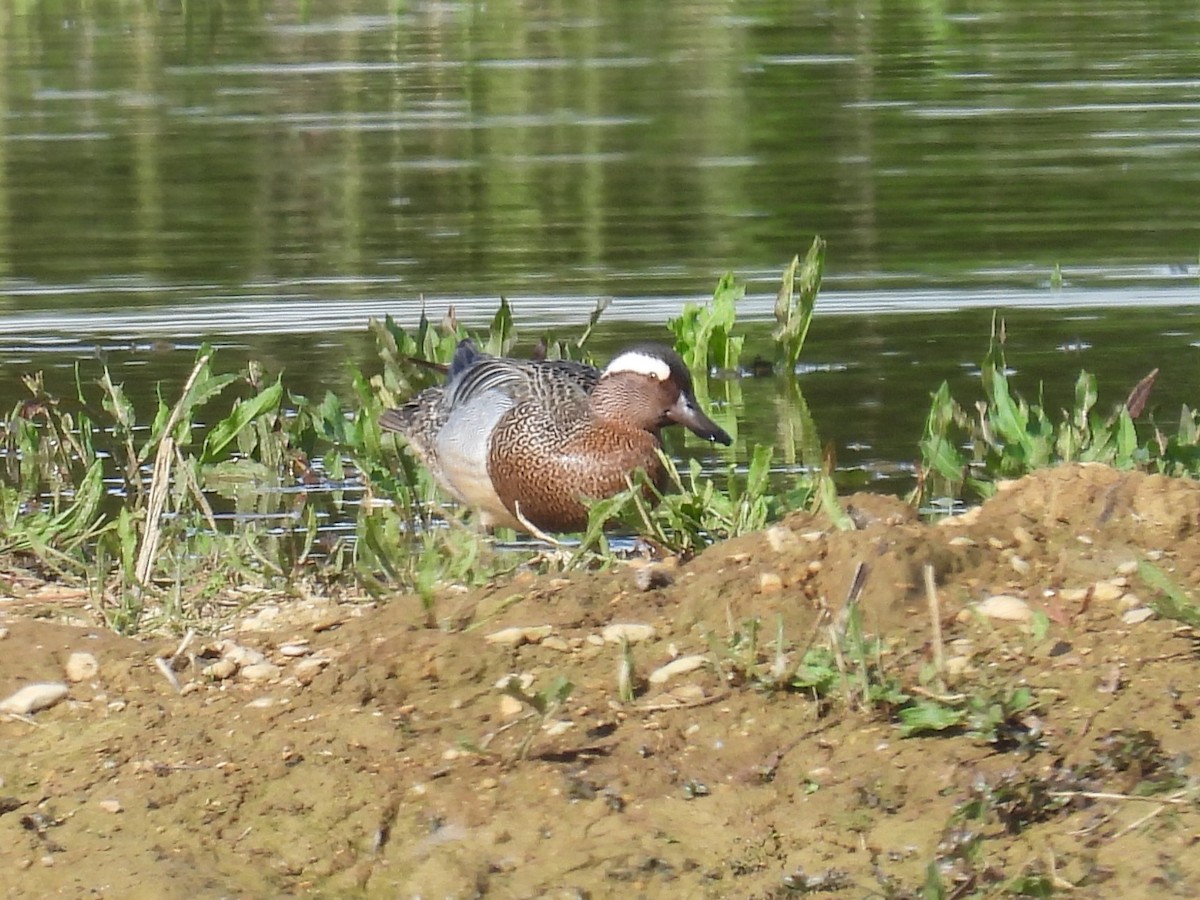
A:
333,749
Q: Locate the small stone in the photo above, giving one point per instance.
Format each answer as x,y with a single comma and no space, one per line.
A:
518,635
241,656
297,648
1128,568
996,544
111,806
1019,565
780,538
1137,616
633,632
960,540
1004,608
1129,601
1107,592
307,669
263,671
33,698
1073,595
327,621
81,667
769,583
261,703
510,706
220,670
675,667
524,681
556,643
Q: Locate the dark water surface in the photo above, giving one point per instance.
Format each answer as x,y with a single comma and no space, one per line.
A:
269,175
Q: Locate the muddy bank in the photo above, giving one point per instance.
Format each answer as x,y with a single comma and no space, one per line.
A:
332,749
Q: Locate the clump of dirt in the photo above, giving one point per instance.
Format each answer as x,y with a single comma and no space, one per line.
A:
343,748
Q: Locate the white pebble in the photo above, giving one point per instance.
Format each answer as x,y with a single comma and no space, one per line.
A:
1005,608
680,666
264,671
1137,616
632,632
220,670
81,666
518,635
33,697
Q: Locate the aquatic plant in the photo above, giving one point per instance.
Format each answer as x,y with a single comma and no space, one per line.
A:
963,455
127,500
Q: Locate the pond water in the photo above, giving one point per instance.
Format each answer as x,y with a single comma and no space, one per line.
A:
267,176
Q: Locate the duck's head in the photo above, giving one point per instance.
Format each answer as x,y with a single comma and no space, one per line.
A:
649,386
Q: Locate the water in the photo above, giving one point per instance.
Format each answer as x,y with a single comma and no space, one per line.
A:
267,178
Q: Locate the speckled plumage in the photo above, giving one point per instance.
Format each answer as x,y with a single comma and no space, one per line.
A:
506,435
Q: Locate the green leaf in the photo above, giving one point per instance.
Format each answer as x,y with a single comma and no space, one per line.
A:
929,716
244,413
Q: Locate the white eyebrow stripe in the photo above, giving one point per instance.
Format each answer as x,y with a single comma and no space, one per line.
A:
639,364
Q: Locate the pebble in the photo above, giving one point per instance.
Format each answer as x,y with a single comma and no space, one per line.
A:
769,583
263,671
1128,568
519,634
556,643
680,666
1001,607
1129,601
296,648
1019,564
780,538
1137,616
81,666
632,632
524,681
111,806
239,655
33,698
307,669
1107,591
220,670
510,706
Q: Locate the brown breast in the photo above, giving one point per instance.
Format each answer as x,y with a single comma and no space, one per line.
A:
548,475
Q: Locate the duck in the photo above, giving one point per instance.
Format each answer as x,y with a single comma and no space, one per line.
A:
526,442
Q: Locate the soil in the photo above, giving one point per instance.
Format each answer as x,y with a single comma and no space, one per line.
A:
322,747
